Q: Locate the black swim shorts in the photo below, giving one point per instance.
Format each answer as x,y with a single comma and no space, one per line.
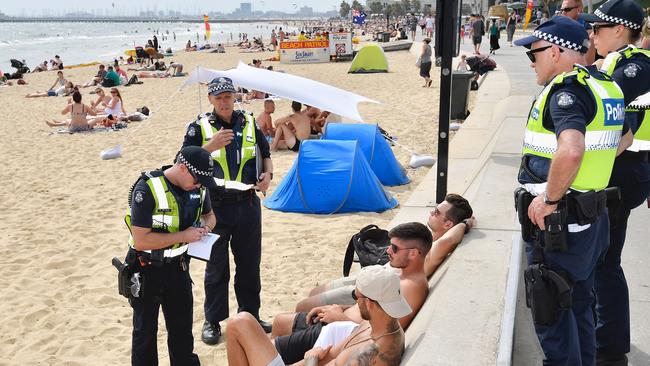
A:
292,347
295,148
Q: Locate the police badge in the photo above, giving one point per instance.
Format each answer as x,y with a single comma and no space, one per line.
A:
139,197
631,70
565,100
191,132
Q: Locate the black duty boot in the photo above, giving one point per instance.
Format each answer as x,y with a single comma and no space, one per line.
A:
211,333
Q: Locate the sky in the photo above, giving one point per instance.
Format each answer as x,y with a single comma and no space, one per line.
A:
186,6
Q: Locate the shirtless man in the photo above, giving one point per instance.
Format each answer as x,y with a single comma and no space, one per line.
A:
319,122
102,98
295,333
265,121
378,340
313,113
449,221
291,130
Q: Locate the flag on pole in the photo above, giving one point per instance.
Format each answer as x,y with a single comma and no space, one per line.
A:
529,13
358,17
207,27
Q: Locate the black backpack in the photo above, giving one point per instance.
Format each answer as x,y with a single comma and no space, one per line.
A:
370,244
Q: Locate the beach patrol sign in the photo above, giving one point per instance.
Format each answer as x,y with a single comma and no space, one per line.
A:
298,52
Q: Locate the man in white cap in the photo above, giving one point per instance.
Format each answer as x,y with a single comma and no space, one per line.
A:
380,336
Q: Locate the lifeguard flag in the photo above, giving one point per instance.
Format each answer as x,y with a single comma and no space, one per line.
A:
529,13
207,27
358,17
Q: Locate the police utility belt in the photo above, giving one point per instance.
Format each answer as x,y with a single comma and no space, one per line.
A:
130,279
548,291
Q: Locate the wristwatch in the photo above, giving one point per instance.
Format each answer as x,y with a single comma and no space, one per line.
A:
549,202
271,174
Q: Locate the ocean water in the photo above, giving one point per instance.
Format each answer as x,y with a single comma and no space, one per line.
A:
79,43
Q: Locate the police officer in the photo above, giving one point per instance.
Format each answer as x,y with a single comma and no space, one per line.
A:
169,208
572,136
617,27
242,165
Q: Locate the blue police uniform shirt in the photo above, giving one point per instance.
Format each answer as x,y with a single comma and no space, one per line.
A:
194,137
143,204
633,76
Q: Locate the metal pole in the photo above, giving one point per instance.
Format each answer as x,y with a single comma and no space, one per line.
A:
447,14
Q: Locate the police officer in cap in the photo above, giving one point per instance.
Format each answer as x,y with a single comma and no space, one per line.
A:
169,208
572,137
617,27
242,165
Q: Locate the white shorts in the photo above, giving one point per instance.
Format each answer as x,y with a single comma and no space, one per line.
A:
277,361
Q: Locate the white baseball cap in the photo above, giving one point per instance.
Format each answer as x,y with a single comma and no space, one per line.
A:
382,285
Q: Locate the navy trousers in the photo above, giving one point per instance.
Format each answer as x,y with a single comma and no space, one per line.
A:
612,298
168,287
239,225
572,340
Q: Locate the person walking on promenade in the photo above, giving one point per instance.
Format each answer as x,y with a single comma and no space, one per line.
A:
242,164
572,137
495,34
616,28
511,25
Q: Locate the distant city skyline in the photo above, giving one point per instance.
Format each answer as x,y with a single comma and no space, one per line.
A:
129,7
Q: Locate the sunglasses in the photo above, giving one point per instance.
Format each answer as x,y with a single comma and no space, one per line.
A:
396,249
568,9
596,27
356,297
196,178
532,52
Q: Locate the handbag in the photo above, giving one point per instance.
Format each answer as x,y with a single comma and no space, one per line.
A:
418,62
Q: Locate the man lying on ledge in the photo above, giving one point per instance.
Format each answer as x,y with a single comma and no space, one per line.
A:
448,222
411,257
378,340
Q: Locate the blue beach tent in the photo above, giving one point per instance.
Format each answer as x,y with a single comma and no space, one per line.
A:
330,177
374,147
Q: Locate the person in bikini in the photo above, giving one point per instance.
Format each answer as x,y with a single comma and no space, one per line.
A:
113,110
291,130
78,115
378,340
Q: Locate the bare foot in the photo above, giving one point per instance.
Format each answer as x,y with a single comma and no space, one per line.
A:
51,124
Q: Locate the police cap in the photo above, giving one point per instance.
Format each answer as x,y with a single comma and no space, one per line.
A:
559,30
199,162
623,12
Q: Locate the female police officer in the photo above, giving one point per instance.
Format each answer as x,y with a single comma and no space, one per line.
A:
242,164
617,27
169,208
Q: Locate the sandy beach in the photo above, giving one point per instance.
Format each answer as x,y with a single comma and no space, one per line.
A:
64,207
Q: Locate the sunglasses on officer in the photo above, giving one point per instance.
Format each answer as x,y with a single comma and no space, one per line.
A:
531,53
597,26
194,176
568,9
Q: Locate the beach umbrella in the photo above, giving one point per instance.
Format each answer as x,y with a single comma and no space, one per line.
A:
303,90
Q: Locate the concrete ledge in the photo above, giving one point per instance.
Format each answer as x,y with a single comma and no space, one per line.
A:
461,322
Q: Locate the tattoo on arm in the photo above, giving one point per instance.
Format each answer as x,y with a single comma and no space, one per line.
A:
365,357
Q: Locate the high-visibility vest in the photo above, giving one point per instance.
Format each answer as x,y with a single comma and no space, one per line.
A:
166,213
248,149
642,135
602,136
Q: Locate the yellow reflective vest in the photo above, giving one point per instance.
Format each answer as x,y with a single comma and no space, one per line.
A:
602,136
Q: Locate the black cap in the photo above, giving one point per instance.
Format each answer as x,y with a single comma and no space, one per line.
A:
559,30
200,163
624,12
220,85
